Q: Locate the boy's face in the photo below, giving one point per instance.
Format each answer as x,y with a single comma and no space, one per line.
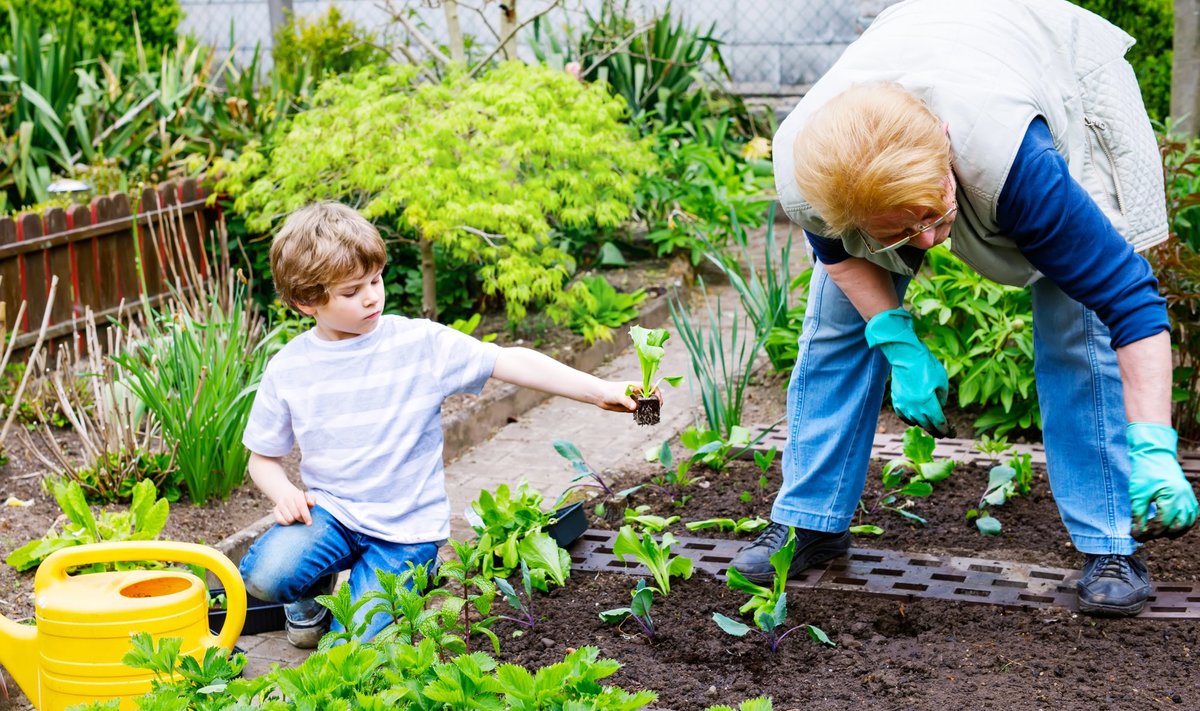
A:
352,310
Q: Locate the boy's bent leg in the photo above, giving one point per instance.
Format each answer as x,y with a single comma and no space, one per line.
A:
389,557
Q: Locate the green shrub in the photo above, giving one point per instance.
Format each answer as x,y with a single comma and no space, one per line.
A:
1152,24
325,45
105,26
484,168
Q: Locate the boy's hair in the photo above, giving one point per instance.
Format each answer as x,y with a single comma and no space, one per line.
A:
319,246
871,149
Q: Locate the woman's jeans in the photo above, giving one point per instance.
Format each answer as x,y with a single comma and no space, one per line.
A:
289,563
837,388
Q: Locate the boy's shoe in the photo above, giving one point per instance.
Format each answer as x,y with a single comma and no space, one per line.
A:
812,547
1113,585
306,621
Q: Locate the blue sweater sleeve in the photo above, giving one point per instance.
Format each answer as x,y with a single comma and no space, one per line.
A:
829,250
1064,234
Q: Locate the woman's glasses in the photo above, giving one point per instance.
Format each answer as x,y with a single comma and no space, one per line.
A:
898,241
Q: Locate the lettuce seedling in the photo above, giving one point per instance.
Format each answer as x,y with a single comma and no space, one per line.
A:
1004,482
638,610
521,601
923,471
758,703
655,556
768,605
742,525
649,522
649,345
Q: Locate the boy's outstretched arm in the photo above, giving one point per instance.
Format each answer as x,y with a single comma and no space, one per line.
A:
530,369
291,504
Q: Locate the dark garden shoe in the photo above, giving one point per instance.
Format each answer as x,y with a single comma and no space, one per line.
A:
812,547
306,621
1113,585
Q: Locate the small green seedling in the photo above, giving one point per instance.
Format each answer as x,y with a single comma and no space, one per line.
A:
655,556
1004,482
675,478
648,522
583,471
768,605
922,470
638,610
758,703
742,525
519,600
649,345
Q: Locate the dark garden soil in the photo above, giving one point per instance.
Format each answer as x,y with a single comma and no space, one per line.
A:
919,654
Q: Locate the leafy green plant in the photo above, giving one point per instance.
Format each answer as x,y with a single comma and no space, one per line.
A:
323,45
584,471
712,450
145,519
598,308
197,369
759,703
505,517
474,592
484,167
674,479
519,600
640,517
468,327
649,345
654,555
922,470
638,610
768,606
723,367
983,340
1004,482
728,525
107,26
406,598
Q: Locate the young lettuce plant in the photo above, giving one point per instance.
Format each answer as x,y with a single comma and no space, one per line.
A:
649,344
1004,482
923,471
655,556
648,522
742,525
638,610
768,605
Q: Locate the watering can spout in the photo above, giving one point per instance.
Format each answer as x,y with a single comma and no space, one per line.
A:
18,654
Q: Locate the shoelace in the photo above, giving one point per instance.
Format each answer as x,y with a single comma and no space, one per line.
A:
773,537
1113,566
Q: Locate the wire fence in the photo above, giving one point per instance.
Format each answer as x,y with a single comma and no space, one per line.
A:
772,47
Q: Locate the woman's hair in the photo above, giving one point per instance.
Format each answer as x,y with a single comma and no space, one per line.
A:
872,149
318,247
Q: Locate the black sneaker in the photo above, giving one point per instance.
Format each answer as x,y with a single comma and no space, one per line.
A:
812,547
306,621
1115,585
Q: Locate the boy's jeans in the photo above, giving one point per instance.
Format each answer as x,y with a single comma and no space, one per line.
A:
837,389
287,562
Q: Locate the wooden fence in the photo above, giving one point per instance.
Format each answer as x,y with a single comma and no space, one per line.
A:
103,255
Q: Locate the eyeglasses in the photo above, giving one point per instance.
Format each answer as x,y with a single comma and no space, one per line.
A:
906,237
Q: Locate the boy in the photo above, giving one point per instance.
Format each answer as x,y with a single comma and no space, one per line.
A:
361,395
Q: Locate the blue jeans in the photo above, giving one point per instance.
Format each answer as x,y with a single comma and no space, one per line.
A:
287,563
837,388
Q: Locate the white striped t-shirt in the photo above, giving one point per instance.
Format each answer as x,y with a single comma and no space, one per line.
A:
366,414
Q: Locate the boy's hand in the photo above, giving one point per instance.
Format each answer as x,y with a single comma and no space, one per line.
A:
294,507
614,398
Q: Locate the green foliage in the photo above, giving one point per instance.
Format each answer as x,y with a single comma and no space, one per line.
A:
197,371
764,295
468,327
483,167
768,606
584,471
981,332
759,703
596,308
509,530
638,610
325,45
650,351
145,519
1004,482
641,517
714,451
654,555
784,339
1152,24
922,470
385,673
1177,265
106,26
728,525
519,600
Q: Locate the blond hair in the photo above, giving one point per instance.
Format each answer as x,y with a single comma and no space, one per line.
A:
872,149
320,246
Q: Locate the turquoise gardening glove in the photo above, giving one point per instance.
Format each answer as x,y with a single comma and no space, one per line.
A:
1156,480
919,383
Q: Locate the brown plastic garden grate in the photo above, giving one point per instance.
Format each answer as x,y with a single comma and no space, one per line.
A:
903,575
887,446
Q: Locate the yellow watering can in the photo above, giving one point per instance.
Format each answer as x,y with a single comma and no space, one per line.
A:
84,623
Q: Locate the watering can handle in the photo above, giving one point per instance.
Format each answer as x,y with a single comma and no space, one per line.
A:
54,570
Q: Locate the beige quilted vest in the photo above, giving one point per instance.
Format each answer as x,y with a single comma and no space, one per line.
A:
988,67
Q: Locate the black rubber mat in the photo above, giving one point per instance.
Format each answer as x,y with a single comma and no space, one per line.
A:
902,575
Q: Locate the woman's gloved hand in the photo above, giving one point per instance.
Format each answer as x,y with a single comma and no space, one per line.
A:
1157,479
919,383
